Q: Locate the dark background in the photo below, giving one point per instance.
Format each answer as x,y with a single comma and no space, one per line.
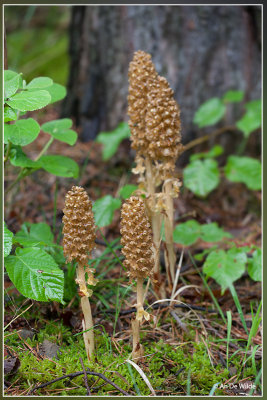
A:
203,51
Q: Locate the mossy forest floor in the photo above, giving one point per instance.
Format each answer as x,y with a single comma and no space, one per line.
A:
185,352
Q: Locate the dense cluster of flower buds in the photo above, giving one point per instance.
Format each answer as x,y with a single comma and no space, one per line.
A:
154,114
141,75
136,238
162,122
79,226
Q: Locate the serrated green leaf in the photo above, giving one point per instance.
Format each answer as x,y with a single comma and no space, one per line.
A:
213,152
57,92
19,159
225,267
59,129
22,132
213,233
126,191
40,83
8,235
187,233
104,210
210,112
60,166
244,169
9,114
34,235
201,177
35,274
255,266
251,120
233,96
30,101
111,140
12,85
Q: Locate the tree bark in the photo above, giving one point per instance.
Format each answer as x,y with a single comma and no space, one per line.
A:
203,51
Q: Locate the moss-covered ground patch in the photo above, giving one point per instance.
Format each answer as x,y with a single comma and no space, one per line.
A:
172,369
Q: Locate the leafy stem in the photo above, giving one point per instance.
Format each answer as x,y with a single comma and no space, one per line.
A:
24,172
45,148
7,151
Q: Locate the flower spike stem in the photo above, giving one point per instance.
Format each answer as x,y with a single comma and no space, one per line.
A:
88,334
169,253
155,218
138,350
78,242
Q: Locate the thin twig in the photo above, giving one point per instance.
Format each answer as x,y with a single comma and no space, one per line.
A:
179,322
162,305
202,139
88,392
73,375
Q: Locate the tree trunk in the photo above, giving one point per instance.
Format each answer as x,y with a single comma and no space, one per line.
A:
203,51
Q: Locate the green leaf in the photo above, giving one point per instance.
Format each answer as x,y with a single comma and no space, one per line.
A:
225,267
252,118
35,274
8,235
244,169
213,233
201,177
104,210
12,85
127,190
187,233
60,166
210,112
34,235
111,140
19,159
9,74
233,96
255,266
22,132
213,152
9,114
30,101
59,129
40,83
57,92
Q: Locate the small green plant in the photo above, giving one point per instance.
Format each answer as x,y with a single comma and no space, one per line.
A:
34,265
19,130
202,174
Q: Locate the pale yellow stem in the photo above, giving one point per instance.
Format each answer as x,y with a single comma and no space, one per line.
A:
138,350
88,336
169,253
155,217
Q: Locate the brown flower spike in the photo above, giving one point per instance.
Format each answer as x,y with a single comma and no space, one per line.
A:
79,227
136,238
78,242
141,75
163,124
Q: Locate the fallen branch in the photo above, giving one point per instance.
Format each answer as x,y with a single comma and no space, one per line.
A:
85,378
73,375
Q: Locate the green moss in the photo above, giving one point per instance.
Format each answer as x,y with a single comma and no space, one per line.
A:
166,366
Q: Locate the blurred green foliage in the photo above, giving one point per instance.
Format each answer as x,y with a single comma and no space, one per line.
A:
37,41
